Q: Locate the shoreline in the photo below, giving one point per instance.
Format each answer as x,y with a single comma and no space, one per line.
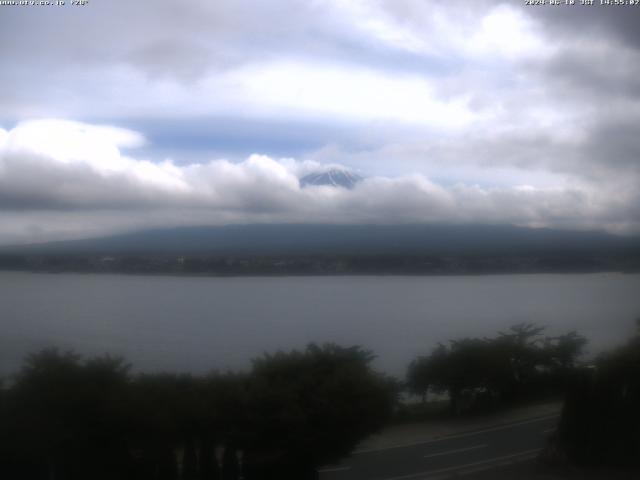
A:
323,275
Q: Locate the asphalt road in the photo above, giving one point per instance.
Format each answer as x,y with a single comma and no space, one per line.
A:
461,454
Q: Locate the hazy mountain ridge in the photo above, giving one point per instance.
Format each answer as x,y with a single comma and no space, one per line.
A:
319,239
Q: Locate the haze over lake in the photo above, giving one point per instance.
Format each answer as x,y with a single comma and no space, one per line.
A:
200,323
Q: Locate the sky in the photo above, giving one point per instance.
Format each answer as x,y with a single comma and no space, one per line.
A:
120,115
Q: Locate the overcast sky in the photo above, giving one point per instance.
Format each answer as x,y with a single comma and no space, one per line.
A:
120,115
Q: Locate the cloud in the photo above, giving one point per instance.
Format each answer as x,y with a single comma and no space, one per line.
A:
85,185
348,93
327,57
457,111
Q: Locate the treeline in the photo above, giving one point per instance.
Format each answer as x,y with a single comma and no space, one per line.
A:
479,374
600,421
64,418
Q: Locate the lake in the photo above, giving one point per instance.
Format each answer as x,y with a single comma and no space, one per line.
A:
201,323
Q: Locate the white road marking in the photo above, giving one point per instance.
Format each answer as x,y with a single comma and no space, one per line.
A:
524,455
455,435
457,450
549,430
334,469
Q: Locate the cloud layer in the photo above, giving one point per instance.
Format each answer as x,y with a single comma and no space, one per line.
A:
61,179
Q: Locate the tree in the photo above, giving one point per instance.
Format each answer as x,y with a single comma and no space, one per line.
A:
600,423
313,407
561,352
479,373
64,416
429,372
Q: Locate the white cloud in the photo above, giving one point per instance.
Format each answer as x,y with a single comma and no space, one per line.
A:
68,141
51,190
372,21
344,92
330,58
510,33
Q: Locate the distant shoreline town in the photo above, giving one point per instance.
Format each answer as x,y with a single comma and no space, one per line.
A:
320,265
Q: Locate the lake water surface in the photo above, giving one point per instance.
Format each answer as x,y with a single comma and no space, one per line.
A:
201,323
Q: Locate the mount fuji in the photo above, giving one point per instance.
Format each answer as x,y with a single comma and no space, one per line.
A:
336,177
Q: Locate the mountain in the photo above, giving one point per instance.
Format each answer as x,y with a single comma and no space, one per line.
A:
315,239
334,178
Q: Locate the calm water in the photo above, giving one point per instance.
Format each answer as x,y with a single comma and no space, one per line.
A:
197,324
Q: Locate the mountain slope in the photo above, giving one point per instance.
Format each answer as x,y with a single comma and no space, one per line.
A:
297,239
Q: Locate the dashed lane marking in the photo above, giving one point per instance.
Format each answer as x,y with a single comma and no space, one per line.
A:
456,435
334,469
457,450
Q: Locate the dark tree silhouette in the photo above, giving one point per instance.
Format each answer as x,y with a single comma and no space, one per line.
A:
481,373
67,419
600,423
310,408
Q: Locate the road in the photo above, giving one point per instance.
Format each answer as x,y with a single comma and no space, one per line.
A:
460,454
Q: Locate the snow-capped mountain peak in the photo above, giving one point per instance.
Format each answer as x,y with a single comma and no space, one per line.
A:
335,177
